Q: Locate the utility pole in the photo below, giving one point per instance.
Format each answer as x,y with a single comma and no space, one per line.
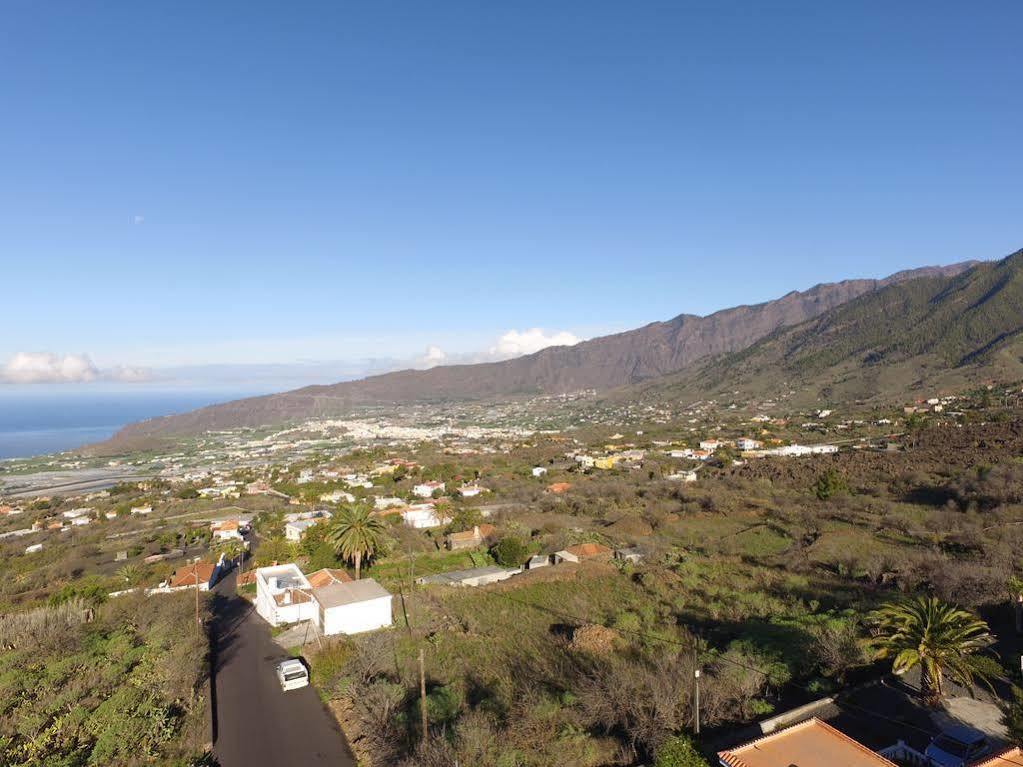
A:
195,574
422,692
696,701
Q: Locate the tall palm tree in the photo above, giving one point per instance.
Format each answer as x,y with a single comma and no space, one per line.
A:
942,639
355,535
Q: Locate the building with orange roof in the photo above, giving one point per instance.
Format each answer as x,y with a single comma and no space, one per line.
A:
583,551
812,743
559,487
185,576
328,576
1013,757
470,539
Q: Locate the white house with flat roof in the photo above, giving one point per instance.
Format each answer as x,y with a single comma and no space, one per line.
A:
353,607
337,606
283,595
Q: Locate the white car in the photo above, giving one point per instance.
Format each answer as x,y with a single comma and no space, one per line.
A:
292,674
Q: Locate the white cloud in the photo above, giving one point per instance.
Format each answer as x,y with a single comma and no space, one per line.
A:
47,367
515,343
434,356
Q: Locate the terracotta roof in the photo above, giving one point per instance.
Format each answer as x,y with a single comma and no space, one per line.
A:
297,597
1011,758
327,576
246,578
808,744
559,487
185,575
588,549
227,524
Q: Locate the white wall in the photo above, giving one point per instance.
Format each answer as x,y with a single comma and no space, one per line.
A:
360,616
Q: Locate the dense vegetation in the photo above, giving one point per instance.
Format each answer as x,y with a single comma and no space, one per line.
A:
121,684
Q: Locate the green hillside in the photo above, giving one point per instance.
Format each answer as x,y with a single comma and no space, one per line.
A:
930,332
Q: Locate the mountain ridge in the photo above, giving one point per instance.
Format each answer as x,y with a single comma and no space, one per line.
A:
606,363
931,331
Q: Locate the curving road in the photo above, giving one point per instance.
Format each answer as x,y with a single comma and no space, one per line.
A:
255,723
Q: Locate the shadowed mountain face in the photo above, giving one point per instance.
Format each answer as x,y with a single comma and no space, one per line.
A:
605,363
935,331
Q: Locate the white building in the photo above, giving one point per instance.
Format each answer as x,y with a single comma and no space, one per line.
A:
746,443
285,595
423,515
682,476
143,510
427,489
476,576
294,531
226,530
33,548
710,444
387,503
337,497
539,471
470,491
351,608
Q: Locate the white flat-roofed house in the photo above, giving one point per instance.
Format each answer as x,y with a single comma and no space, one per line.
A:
423,515
682,476
283,595
337,496
353,607
476,576
294,531
391,502
427,489
539,471
143,510
470,491
710,444
747,443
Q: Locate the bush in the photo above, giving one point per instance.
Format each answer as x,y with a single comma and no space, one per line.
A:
679,751
829,484
510,552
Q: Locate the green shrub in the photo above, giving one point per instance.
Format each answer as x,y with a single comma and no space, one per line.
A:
679,751
510,552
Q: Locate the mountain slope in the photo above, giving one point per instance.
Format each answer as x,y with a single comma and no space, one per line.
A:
932,331
602,363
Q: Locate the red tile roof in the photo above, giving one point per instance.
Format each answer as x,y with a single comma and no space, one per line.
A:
584,550
808,743
185,575
327,576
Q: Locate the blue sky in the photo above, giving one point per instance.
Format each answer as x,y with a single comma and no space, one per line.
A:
187,185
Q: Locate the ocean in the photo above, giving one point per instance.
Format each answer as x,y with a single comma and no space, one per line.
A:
38,423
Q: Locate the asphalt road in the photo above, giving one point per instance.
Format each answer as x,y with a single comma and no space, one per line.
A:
255,723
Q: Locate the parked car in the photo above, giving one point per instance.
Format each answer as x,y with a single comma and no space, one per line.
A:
292,674
958,746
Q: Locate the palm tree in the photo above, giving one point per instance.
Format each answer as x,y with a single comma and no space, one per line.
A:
355,535
130,573
942,639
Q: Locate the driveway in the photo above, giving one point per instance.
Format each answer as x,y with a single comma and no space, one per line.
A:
255,723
